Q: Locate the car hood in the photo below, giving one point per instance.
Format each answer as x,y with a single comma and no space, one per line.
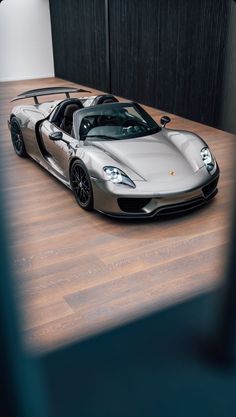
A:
154,157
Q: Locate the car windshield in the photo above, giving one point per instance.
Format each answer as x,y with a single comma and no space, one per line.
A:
115,122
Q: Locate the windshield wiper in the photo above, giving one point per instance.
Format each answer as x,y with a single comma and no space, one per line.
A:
84,137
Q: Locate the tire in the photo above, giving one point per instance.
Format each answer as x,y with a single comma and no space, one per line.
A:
81,185
17,138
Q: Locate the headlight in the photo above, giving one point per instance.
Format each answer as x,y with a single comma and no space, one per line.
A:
117,176
208,159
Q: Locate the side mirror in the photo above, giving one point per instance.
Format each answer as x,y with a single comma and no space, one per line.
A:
56,136
164,120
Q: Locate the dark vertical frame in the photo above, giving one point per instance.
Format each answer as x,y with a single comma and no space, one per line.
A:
21,383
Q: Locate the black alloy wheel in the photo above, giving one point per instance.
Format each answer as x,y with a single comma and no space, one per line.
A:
81,185
17,138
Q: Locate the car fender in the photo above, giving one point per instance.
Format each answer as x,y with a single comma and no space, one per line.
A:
95,159
189,144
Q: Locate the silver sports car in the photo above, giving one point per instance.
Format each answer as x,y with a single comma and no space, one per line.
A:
113,155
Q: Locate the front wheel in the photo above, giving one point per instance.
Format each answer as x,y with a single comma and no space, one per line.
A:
81,185
17,138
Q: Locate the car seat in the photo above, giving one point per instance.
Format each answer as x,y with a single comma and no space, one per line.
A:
67,120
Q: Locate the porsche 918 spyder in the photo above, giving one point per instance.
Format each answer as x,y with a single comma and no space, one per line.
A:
113,156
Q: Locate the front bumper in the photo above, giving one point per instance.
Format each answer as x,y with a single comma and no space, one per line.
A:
135,203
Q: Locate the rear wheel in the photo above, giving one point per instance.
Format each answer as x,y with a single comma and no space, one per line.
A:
81,185
17,138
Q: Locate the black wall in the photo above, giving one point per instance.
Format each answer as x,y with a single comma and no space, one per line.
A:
79,42
166,53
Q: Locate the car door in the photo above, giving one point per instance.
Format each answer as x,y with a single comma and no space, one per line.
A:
57,153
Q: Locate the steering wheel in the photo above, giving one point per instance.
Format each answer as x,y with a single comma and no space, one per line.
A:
133,126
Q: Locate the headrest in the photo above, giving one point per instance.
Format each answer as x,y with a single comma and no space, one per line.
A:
71,109
108,98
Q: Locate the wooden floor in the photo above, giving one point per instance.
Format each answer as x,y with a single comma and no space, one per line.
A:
79,272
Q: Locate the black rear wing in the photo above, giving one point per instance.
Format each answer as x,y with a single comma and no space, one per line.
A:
48,91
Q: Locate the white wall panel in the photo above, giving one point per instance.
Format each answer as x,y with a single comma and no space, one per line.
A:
25,40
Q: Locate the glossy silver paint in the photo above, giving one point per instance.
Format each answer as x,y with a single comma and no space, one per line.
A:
166,167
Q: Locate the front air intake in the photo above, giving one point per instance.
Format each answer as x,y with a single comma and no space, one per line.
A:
133,205
210,188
